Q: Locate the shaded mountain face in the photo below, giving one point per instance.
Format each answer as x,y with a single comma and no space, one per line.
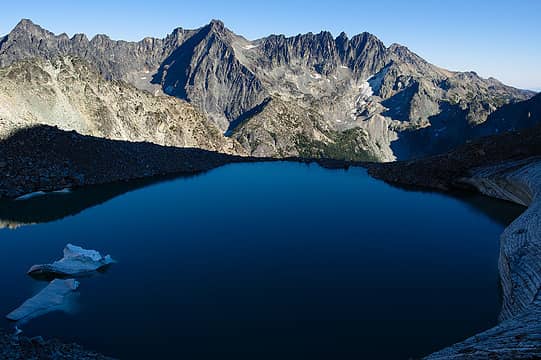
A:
354,96
451,128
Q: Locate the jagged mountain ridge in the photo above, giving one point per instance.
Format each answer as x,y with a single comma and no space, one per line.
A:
353,85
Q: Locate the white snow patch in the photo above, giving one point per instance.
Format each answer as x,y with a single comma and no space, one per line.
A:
54,297
365,92
376,80
249,47
143,78
63,191
42,193
344,67
31,195
76,262
315,76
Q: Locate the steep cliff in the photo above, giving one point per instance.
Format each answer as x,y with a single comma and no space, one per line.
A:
519,334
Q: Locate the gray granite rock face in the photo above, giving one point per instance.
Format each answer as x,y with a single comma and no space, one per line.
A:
68,93
206,71
355,85
520,259
519,334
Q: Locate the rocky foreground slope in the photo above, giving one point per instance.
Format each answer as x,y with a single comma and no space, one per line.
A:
23,348
68,93
44,158
366,100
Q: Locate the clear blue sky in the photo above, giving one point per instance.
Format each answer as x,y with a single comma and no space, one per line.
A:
493,37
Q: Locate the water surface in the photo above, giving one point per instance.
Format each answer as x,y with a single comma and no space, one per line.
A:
265,261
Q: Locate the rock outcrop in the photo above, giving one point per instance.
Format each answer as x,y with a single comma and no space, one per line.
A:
445,133
519,334
286,130
388,96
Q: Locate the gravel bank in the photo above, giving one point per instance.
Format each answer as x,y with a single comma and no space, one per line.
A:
23,348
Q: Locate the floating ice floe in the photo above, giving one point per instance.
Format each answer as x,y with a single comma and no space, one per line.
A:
54,297
76,262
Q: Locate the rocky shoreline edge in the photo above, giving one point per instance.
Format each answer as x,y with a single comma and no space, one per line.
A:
507,167
23,348
46,159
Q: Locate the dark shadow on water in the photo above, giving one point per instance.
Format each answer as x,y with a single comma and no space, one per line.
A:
48,277
501,211
56,206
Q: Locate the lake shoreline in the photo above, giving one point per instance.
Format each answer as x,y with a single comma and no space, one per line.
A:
22,348
48,159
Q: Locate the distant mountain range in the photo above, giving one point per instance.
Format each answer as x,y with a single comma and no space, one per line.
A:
311,95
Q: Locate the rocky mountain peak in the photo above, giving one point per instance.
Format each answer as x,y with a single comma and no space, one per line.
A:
342,42
27,28
26,25
80,38
100,39
326,35
217,25
177,37
405,54
342,37
216,29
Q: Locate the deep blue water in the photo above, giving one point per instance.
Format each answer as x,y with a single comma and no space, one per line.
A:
264,261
